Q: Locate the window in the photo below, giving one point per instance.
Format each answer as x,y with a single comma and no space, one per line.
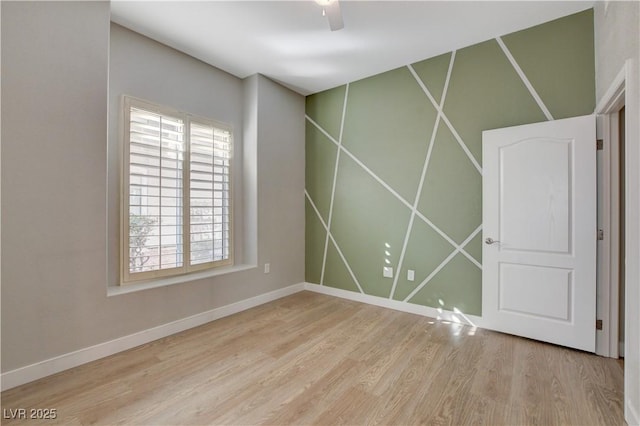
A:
176,209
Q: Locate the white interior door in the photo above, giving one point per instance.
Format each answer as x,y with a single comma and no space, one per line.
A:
539,226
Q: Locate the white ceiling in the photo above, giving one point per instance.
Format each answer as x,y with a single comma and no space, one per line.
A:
290,41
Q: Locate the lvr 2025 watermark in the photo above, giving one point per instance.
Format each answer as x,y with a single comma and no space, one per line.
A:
29,413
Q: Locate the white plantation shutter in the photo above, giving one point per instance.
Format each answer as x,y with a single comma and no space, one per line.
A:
209,193
156,156
177,183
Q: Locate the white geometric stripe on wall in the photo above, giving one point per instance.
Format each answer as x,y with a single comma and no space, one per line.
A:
524,79
444,263
333,191
443,115
457,248
414,208
326,228
393,192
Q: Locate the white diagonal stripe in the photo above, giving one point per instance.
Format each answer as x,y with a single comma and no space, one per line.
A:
362,165
415,207
447,79
346,264
524,79
431,275
394,193
442,264
449,239
402,253
376,177
344,260
324,225
446,120
455,134
333,187
422,179
467,241
323,131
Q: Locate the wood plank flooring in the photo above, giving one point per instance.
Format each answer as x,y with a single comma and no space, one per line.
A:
314,359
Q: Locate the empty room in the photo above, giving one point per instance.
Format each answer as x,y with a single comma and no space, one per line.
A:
320,212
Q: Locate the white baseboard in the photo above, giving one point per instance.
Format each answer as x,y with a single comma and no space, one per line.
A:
631,415
427,311
63,362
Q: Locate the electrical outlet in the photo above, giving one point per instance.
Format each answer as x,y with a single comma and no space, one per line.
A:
267,268
387,272
411,275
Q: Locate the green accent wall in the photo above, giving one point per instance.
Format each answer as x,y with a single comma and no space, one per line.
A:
558,59
426,249
326,109
486,93
320,158
387,122
336,273
315,236
395,152
452,193
368,225
433,73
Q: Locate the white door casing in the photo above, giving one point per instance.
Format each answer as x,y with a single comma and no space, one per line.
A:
539,225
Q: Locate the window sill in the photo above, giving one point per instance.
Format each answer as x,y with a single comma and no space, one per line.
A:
163,282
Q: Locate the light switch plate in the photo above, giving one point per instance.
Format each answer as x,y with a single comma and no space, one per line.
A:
387,272
411,275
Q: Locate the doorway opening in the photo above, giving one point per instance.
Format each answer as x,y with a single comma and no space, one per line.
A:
621,230
612,206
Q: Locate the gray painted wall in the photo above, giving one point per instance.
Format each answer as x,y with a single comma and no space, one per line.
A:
146,69
54,182
617,39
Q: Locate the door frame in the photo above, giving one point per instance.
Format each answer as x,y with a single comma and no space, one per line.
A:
609,208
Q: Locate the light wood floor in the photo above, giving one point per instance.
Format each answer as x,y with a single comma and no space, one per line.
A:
314,359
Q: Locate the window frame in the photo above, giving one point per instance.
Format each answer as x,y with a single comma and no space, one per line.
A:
126,276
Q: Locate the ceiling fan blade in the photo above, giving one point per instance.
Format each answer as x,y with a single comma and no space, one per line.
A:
334,15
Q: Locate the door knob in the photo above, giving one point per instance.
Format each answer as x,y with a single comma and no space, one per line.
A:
490,241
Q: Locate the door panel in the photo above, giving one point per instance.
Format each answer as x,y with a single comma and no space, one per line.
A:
536,291
539,216
535,182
